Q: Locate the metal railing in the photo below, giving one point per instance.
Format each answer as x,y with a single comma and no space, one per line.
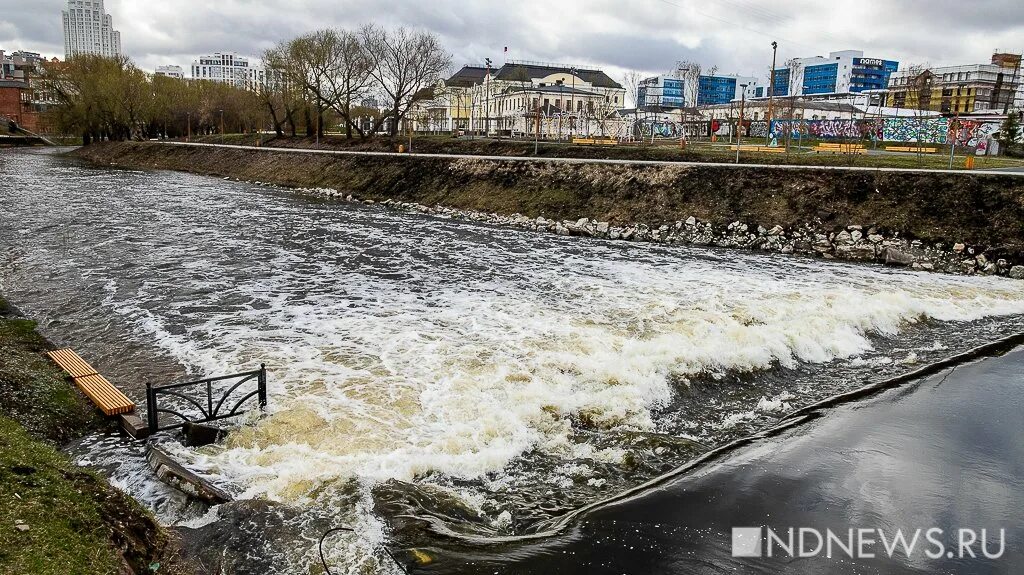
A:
192,410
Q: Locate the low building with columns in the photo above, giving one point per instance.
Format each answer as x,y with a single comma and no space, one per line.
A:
520,99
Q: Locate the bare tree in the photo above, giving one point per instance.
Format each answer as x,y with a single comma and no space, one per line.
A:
403,63
280,92
690,74
795,69
349,78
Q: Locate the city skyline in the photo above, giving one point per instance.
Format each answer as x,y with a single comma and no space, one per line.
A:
649,37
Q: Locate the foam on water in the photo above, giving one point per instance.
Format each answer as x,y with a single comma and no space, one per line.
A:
375,382
411,348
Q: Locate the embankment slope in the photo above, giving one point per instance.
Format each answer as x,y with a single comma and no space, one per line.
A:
983,211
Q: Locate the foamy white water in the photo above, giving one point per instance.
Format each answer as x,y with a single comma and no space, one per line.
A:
423,350
374,382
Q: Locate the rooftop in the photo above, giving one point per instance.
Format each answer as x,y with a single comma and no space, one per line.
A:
523,71
467,77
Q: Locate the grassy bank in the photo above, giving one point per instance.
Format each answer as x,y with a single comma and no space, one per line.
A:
661,151
56,518
983,211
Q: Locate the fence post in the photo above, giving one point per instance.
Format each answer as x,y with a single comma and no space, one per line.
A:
262,381
151,415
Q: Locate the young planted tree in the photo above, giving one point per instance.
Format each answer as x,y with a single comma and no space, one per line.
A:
795,69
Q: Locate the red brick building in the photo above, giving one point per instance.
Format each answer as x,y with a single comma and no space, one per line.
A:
16,105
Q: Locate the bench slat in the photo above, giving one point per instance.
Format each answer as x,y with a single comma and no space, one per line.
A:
101,392
108,398
72,363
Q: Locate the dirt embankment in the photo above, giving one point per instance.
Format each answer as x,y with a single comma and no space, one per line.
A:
56,518
984,212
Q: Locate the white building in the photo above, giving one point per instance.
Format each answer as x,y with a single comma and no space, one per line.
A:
840,74
171,72
228,68
570,100
88,29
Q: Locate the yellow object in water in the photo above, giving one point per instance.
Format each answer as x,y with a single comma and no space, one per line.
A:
421,557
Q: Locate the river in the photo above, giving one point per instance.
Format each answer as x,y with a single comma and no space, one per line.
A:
482,379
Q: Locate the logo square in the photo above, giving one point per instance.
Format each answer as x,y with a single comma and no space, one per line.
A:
746,541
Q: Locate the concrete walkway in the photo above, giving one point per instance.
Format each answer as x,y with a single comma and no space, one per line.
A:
1019,173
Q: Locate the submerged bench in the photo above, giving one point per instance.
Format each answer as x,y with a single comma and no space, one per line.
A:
108,398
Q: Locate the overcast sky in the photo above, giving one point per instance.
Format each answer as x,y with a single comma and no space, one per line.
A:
620,35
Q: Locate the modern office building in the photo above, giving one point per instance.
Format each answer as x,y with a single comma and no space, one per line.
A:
841,73
664,91
959,89
723,89
228,68
88,29
673,92
171,72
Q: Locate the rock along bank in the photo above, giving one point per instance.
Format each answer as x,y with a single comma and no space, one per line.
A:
953,222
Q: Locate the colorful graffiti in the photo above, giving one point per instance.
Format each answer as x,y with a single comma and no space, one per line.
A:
672,130
971,133
929,130
828,129
758,129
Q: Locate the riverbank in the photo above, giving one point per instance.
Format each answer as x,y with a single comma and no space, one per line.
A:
662,151
952,222
56,517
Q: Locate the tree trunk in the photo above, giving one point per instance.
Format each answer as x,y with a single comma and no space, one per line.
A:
395,121
348,119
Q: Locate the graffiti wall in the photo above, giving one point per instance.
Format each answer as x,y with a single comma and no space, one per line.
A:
758,129
673,130
925,130
828,129
971,133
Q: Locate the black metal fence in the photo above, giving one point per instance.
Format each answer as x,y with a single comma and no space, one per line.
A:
189,409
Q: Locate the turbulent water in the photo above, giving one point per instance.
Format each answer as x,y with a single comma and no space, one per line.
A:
492,377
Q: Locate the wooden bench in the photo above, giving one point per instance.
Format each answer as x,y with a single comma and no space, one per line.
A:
108,398
594,141
841,148
911,149
765,149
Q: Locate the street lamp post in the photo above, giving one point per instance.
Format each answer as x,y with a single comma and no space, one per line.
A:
188,137
536,132
771,93
572,102
680,71
221,126
739,125
487,100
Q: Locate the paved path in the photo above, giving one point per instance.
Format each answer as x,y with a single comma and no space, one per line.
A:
1019,172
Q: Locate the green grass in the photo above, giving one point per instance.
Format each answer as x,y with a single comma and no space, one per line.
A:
39,486
34,392
77,523
699,151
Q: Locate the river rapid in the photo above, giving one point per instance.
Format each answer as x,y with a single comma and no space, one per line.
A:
479,379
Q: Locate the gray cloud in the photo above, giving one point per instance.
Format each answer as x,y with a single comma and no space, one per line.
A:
648,35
